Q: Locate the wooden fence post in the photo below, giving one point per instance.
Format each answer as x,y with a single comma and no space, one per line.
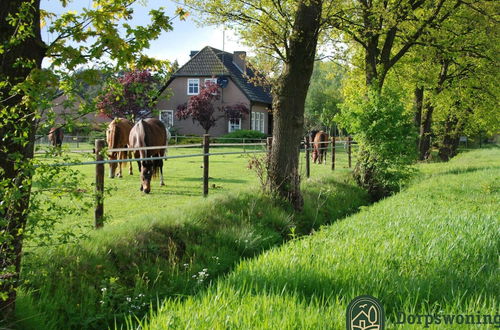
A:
206,149
349,150
99,185
269,143
333,153
308,158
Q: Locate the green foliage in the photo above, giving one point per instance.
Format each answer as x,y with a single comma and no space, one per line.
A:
430,249
385,134
324,95
238,136
99,36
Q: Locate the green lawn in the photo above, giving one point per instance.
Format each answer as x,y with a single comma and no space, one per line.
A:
432,248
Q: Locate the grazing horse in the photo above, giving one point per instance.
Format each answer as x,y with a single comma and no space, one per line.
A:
320,147
147,133
117,137
56,136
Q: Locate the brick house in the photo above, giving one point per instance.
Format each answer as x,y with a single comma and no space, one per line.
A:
231,72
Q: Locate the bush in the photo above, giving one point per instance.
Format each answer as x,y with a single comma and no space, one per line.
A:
386,137
238,136
188,139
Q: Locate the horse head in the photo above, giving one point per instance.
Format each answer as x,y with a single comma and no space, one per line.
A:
315,154
147,171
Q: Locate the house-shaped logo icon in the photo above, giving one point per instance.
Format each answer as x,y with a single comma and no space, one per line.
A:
365,313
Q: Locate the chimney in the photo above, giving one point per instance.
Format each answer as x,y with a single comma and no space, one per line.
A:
239,58
193,53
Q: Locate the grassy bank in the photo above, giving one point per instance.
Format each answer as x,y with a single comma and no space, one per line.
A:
131,264
432,248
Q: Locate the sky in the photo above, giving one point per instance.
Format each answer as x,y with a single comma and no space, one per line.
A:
174,45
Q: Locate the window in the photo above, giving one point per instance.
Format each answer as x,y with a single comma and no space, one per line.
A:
167,118
258,121
213,80
234,125
193,87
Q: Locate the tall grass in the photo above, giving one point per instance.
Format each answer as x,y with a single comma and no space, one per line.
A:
126,267
432,248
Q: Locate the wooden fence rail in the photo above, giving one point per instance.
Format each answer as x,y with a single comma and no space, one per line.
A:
99,163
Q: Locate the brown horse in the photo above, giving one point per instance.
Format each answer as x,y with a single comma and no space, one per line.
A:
117,137
320,147
56,136
147,133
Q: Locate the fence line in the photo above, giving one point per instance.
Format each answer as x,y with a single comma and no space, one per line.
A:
187,146
100,161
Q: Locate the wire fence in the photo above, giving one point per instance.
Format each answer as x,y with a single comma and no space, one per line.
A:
259,147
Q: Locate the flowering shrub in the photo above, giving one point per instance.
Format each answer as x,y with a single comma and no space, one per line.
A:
131,96
200,108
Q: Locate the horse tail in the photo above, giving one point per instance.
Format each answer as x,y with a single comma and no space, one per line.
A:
60,136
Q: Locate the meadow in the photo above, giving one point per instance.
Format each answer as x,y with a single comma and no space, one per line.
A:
220,262
170,243
431,249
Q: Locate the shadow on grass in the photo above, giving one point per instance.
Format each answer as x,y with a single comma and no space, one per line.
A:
164,256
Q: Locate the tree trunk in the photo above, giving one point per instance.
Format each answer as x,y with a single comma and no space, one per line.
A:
418,106
288,103
426,124
17,128
424,146
448,146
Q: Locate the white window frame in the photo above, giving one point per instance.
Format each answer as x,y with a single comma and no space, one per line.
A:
262,116
194,81
214,80
230,128
258,121
171,115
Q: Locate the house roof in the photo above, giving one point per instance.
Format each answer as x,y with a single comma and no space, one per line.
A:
214,62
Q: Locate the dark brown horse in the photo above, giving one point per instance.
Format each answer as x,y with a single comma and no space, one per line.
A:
147,133
320,147
56,136
117,137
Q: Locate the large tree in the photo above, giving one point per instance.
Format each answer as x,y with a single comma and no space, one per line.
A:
457,88
91,36
381,33
287,32
387,30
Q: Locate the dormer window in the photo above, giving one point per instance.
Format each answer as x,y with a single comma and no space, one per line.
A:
193,86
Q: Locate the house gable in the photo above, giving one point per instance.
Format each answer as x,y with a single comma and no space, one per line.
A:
210,63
